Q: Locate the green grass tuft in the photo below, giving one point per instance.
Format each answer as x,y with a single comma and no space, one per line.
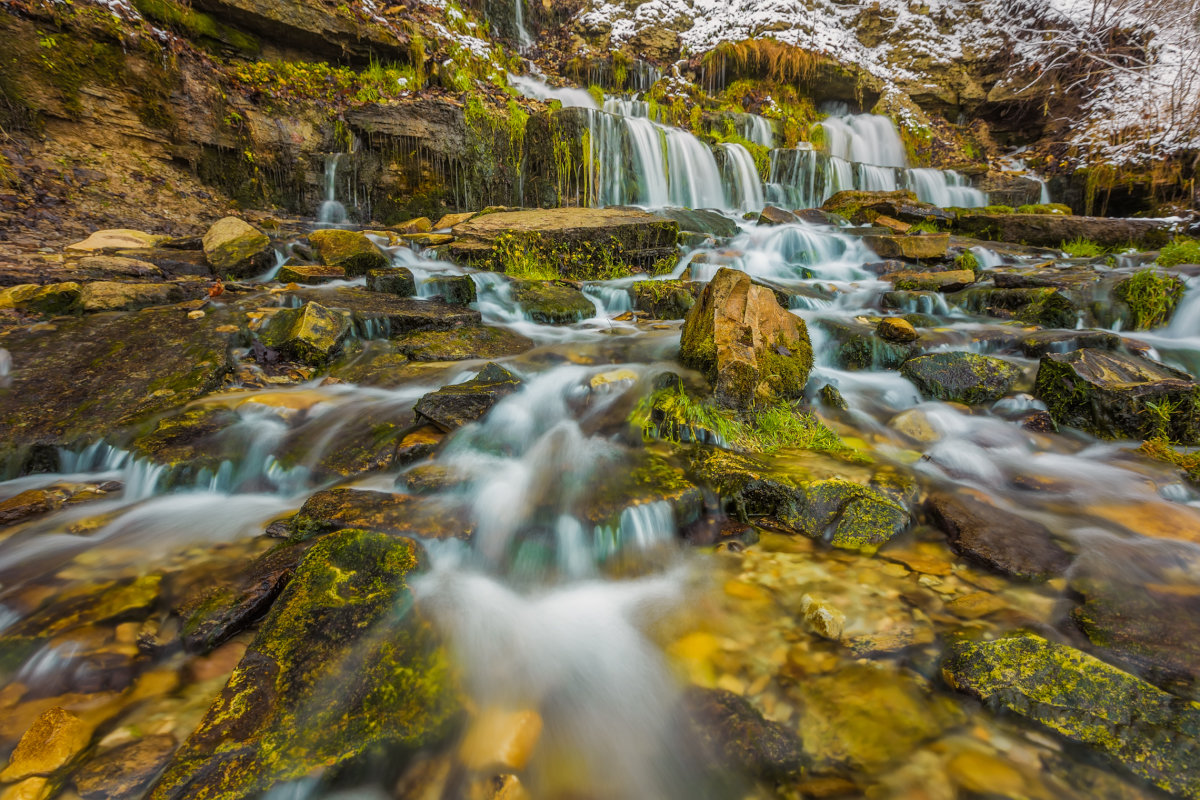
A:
1151,297
1082,248
1180,251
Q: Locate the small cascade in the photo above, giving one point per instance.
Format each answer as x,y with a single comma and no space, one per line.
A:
865,139
524,40
537,89
944,188
758,130
331,213
742,179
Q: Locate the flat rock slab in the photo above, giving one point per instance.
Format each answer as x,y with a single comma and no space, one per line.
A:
1052,230
82,379
999,540
641,237
396,315
459,404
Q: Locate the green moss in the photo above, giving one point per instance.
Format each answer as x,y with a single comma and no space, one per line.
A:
1082,248
967,260
198,26
1161,450
1151,297
961,376
530,256
1179,251
1044,208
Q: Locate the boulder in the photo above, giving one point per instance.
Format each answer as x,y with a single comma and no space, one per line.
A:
309,274
947,281
856,345
746,344
552,302
897,329
350,250
343,665
417,225
461,344
107,267
30,503
997,539
113,296
393,280
916,248
235,247
772,215
738,738
49,300
311,333
961,377
1152,734
451,407
702,221
116,239
92,376
665,299
1053,230
379,314
1116,396
632,238
457,290
447,221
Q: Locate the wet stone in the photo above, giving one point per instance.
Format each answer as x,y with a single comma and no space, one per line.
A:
352,251
552,302
961,377
55,738
311,334
461,344
393,280
124,772
896,329
457,290
397,514
309,274
739,738
235,247
998,539
451,407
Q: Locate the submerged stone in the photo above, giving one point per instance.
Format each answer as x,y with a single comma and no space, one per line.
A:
961,377
312,333
54,739
125,771
552,302
451,407
737,737
1151,733
235,247
1116,396
343,665
996,538
350,250
745,343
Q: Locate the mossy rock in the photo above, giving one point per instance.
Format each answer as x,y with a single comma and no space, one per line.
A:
461,344
93,376
395,514
859,348
393,280
235,247
311,334
343,665
552,302
199,27
664,299
846,514
451,407
961,377
457,290
739,738
99,296
49,300
1151,297
1116,396
350,250
1152,734
189,442
310,274
377,315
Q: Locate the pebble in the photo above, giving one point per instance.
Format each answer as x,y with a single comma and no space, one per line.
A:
54,739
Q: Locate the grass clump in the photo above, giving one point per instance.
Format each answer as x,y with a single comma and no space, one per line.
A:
925,226
1082,248
1160,449
1151,297
1044,208
967,260
521,257
1181,251
676,416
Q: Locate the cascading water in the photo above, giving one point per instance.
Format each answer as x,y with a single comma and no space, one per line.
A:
524,40
758,130
745,185
331,213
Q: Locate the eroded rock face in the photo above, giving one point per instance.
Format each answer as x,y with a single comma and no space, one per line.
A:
750,347
998,539
342,664
961,377
451,407
1151,733
235,247
1116,396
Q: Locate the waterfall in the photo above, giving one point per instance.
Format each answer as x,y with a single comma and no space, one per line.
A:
864,138
943,187
331,213
745,186
524,40
758,130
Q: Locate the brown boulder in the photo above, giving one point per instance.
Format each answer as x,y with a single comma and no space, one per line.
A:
996,538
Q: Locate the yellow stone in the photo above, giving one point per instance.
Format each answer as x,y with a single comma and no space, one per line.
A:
500,739
694,653
985,774
53,740
975,605
611,377
28,789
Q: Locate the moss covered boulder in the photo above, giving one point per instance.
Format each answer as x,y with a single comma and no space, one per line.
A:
393,280
750,347
457,290
665,299
916,248
310,274
552,302
311,333
1153,734
90,377
1116,396
451,407
847,514
350,250
961,377
379,314
343,665
235,247
48,300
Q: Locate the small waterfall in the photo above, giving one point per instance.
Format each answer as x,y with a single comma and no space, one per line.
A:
758,130
864,138
331,213
745,186
537,89
943,188
524,40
